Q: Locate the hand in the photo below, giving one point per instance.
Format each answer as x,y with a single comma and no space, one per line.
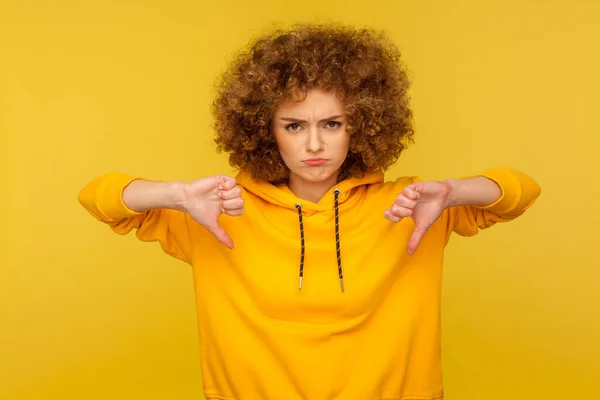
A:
424,202
207,198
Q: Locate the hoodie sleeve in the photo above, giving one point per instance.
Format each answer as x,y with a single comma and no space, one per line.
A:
519,192
103,199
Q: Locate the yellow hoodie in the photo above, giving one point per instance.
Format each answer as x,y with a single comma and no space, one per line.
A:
264,338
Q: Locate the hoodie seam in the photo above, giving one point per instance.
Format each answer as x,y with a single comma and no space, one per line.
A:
217,397
441,397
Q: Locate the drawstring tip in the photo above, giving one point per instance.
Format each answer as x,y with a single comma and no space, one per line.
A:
300,284
342,283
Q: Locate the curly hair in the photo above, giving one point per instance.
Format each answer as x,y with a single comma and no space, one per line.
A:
362,66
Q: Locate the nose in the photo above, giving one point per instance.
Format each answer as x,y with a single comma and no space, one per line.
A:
314,140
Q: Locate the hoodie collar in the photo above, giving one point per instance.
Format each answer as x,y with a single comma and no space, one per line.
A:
282,195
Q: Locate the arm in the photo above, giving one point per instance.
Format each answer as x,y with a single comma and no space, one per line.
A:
497,195
464,205
164,211
476,191
125,203
143,195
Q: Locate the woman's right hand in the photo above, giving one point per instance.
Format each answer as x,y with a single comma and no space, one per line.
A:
206,199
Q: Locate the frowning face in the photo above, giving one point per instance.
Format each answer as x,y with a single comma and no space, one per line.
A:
312,137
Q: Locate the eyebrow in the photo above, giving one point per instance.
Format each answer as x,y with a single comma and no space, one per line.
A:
296,120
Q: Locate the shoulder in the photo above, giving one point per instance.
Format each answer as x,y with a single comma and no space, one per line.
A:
386,191
392,186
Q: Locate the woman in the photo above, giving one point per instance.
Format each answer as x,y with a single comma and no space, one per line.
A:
332,290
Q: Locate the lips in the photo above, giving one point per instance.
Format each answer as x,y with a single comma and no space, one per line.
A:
313,162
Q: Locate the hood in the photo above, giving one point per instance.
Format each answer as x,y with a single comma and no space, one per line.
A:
344,192
282,195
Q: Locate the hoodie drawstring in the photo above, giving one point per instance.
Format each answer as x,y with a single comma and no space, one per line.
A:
301,274
336,196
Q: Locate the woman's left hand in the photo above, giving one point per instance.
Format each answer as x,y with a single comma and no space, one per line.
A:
424,202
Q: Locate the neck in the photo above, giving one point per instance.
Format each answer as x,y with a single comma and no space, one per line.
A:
309,190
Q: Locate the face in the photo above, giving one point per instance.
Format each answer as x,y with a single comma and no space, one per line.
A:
312,138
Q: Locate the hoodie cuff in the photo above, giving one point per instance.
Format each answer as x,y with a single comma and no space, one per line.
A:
510,186
110,196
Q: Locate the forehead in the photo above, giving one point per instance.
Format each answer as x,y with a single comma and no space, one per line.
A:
315,103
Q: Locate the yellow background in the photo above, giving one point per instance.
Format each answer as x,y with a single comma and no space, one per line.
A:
88,87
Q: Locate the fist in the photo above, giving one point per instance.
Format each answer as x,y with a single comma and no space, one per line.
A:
424,202
207,198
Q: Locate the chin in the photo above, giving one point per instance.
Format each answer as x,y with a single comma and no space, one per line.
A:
316,174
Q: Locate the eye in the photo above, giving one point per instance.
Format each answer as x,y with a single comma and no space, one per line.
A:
293,127
333,124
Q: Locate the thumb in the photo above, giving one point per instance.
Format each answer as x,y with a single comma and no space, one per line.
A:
415,239
217,230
